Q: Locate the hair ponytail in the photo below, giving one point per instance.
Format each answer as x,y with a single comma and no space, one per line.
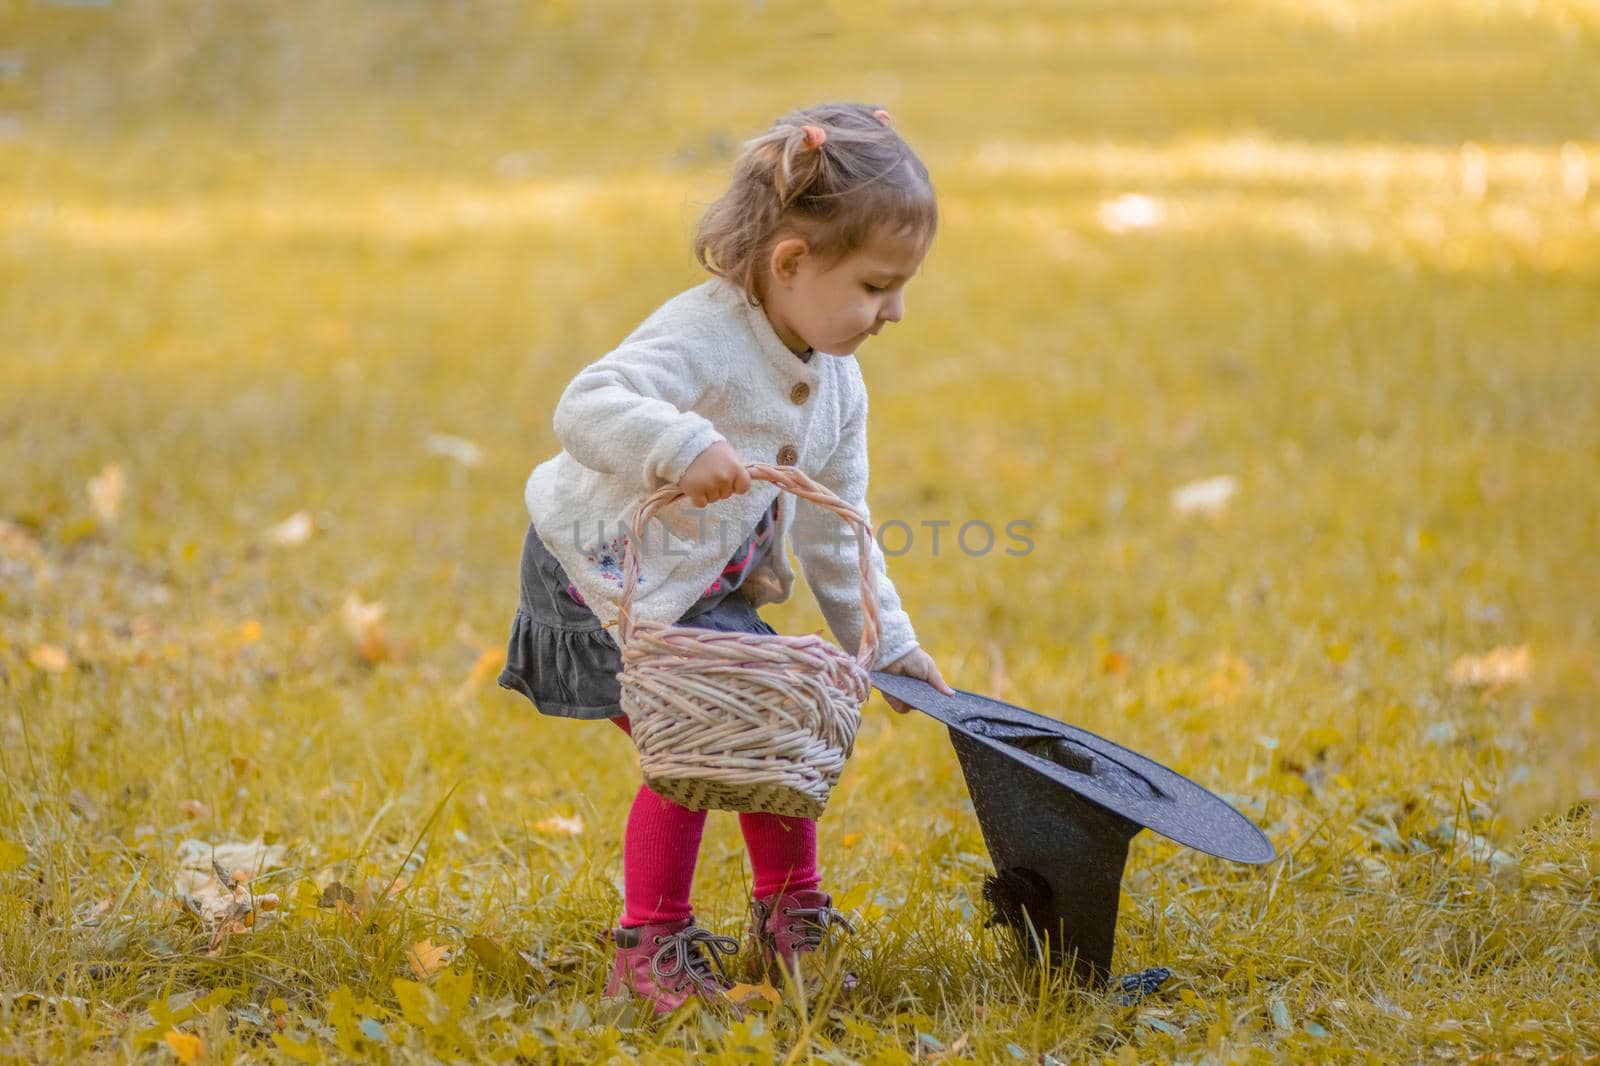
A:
834,175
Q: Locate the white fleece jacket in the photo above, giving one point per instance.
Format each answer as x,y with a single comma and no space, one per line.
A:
706,366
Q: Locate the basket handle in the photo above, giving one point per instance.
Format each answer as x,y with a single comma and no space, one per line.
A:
785,477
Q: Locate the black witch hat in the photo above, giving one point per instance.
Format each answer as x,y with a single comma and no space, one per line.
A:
1058,806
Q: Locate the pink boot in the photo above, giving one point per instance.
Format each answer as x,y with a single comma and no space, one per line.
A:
789,927
663,964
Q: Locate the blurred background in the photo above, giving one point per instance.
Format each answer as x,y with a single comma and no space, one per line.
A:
1277,321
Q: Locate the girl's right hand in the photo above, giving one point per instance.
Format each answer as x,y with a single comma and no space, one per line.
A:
716,473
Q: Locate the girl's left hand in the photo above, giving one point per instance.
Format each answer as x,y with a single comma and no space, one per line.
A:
918,664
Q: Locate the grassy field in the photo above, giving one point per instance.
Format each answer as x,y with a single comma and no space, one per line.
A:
260,267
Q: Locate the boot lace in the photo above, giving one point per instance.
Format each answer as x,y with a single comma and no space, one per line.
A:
680,954
816,922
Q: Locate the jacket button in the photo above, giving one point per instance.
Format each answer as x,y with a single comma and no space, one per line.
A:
800,393
788,455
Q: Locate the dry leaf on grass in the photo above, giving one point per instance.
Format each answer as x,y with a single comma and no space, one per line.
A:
1231,678
426,958
1502,665
560,826
51,658
292,531
213,885
15,541
106,490
450,446
1209,496
335,893
739,993
188,1047
488,664
514,964
364,622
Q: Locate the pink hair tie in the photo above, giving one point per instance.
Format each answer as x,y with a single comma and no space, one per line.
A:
815,136
883,116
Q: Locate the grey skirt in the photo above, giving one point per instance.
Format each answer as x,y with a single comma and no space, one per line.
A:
564,661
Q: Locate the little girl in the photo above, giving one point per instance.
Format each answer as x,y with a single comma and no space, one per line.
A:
828,216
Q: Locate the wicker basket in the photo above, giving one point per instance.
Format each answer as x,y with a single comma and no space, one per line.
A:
744,721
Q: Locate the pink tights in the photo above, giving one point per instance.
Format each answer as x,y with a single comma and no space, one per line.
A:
663,842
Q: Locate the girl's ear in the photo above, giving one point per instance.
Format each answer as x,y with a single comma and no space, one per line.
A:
786,257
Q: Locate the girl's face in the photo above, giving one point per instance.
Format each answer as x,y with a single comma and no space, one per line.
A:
835,309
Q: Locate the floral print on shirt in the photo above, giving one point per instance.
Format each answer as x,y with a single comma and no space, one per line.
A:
608,558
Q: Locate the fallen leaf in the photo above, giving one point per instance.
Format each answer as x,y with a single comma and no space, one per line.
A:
292,531
1231,677
336,893
426,958
188,1047
14,540
96,912
560,826
364,622
488,664
499,958
739,993
1502,665
212,883
106,490
955,1050
49,657
1208,496
450,446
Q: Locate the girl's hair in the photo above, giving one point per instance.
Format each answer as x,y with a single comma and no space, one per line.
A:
835,175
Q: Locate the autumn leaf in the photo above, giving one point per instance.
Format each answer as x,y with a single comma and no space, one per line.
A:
212,884
426,958
497,957
364,622
188,1047
105,492
739,993
15,541
1502,665
49,657
1231,677
489,663
337,893
292,531
460,449
560,826
1208,496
